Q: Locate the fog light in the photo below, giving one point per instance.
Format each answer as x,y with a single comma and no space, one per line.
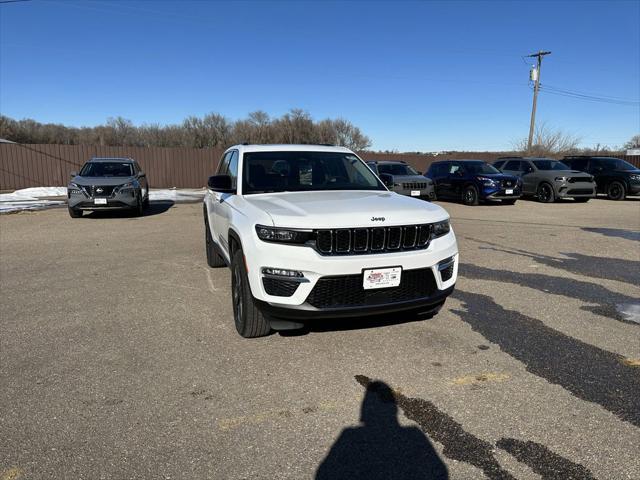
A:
281,272
446,268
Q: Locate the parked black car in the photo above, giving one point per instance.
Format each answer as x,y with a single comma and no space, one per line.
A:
548,179
402,178
472,181
614,176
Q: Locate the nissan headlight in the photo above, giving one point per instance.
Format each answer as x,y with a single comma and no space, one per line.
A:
283,235
127,187
440,229
635,178
487,182
75,189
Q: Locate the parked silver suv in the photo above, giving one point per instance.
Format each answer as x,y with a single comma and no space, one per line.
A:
548,179
108,184
402,178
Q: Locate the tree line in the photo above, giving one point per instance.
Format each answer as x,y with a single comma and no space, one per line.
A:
211,130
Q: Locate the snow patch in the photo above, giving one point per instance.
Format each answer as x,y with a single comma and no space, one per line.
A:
630,311
37,198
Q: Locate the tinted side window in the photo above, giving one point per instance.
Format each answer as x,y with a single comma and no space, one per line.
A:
513,165
578,163
232,170
223,166
498,164
453,168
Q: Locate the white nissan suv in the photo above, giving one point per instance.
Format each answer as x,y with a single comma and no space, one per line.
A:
309,231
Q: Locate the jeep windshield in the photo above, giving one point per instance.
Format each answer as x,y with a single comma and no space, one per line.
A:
550,165
396,169
106,169
266,172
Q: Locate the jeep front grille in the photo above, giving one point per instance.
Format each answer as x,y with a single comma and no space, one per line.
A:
414,185
352,241
346,290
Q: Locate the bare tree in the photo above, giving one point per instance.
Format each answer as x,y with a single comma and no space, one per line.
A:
633,143
548,141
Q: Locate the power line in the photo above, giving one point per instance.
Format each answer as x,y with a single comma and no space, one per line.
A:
593,96
590,98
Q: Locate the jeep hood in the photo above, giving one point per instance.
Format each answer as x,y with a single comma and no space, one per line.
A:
340,209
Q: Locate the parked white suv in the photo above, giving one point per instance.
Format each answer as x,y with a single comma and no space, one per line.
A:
309,231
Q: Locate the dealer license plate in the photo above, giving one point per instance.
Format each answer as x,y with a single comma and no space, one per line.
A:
381,278
415,193
509,191
99,201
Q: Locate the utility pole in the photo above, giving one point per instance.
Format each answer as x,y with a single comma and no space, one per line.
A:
536,87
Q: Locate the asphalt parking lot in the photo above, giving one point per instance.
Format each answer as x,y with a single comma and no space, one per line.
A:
119,358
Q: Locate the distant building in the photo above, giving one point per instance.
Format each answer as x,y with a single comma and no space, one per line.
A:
633,151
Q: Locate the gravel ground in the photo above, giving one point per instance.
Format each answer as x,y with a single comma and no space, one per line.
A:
119,358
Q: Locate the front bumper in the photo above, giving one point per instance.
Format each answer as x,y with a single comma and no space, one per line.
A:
634,188
428,192
499,193
575,189
315,266
115,201
307,311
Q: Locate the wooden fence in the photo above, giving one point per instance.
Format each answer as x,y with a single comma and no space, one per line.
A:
23,166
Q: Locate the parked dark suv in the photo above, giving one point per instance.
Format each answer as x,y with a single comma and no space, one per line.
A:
548,179
402,178
614,176
472,181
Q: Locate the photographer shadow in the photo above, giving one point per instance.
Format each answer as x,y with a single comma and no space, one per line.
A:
381,448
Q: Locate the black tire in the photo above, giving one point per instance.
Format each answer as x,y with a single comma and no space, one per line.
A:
145,203
138,210
510,201
616,191
249,320
75,213
581,199
213,259
545,193
470,195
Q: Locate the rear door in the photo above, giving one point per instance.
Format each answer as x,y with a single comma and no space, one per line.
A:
439,173
226,201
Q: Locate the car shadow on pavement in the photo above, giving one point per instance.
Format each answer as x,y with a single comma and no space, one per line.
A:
619,269
156,207
588,372
614,232
357,323
381,448
586,292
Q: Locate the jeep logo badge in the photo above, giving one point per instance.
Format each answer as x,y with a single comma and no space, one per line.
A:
378,219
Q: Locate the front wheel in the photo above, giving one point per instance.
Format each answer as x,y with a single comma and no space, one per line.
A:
249,320
616,191
138,210
545,193
75,213
470,195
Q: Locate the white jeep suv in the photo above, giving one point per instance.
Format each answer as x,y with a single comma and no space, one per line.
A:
309,231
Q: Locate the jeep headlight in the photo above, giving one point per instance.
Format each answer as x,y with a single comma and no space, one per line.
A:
561,179
283,235
440,229
487,182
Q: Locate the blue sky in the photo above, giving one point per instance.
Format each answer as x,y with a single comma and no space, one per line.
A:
413,76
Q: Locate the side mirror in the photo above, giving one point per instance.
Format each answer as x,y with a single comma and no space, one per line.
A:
387,179
221,183
142,174
73,174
